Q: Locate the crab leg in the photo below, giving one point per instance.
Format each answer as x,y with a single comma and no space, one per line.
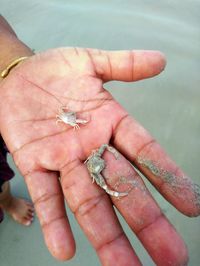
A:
109,148
101,182
81,121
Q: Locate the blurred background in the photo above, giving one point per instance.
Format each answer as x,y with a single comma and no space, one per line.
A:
167,105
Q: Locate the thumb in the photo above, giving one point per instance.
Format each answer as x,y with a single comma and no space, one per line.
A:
127,65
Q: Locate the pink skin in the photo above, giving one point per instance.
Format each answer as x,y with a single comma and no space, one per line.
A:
42,150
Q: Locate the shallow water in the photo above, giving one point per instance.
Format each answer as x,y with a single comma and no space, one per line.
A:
168,105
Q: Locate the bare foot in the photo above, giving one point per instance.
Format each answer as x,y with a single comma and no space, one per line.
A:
21,211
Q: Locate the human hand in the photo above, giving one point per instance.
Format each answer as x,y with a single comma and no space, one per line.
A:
44,151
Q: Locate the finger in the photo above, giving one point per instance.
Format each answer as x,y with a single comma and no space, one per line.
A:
127,65
47,196
143,214
132,140
94,212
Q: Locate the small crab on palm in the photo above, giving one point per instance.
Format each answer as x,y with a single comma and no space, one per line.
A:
69,117
96,164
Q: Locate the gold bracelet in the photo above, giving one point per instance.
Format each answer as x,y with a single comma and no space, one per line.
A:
6,71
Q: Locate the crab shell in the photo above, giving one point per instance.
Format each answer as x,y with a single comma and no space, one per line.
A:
95,165
68,117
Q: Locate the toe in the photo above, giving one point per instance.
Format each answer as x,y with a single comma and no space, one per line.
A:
30,213
30,205
29,216
27,221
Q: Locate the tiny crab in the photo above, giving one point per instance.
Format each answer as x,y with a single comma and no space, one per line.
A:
69,117
95,164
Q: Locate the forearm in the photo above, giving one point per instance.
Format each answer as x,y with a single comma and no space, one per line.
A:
10,46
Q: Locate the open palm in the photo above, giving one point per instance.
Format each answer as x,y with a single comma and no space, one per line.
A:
51,156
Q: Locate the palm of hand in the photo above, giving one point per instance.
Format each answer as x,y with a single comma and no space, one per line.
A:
38,98
43,151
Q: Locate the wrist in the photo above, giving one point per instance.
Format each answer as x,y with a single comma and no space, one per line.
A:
11,48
